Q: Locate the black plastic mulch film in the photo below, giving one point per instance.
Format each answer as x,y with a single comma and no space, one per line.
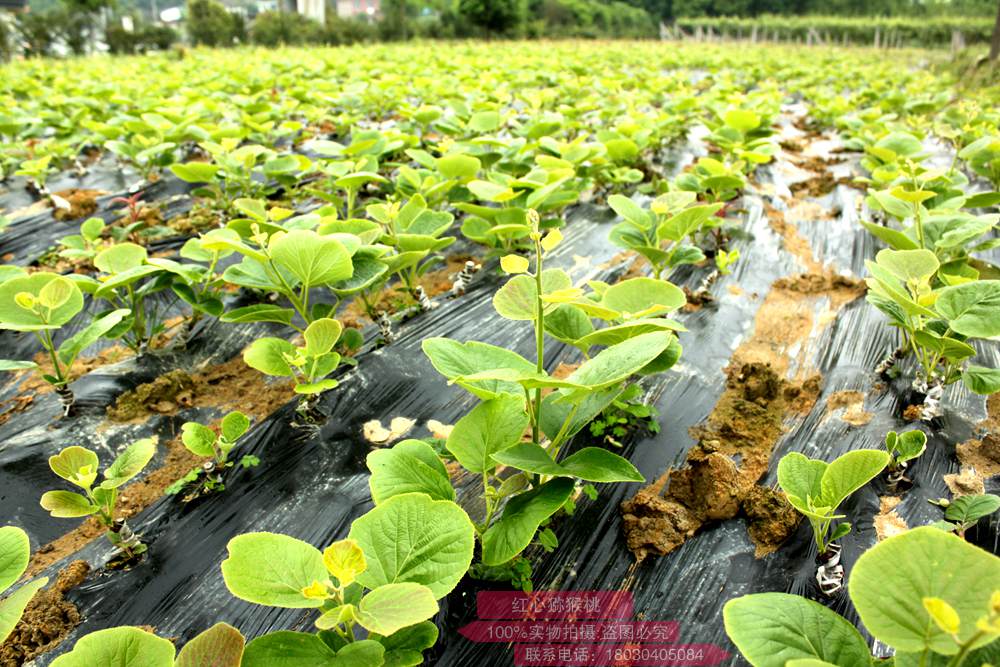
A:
313,489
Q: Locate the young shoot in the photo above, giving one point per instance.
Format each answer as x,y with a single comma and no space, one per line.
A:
203,441
964,512
42,303
816,489
79,466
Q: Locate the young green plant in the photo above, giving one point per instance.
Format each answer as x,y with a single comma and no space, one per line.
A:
79,466
203,441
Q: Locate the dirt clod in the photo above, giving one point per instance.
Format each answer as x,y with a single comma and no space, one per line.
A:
82,203
770,518
47,620
887,521
164,395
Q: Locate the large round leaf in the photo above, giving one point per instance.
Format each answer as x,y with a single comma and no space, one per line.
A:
890,581
487,429
770,629
272,569
412,538
15,552
119,647
313,259
646,296
219,646
16,317
972,309
410,466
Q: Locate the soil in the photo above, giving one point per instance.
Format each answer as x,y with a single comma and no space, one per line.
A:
911,413
164,395
745,423
770,518
696,300
852,407
198,219
32,382
82,203
982,455
887,521
47,620
968,482
227,386
735,443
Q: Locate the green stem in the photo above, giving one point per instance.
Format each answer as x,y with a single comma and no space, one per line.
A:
46,339
963,652
539,338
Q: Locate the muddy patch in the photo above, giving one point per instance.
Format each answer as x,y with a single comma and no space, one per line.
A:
981,455
744,426
164,395
767,380
887,522
81,204
849,406
47,620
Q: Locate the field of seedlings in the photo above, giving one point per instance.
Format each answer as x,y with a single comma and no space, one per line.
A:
513,353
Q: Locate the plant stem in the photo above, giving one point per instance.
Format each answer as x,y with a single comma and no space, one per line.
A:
963,652
539,337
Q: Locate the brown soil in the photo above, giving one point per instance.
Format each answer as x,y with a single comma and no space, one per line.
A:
770,518
47,620
983,454
887,521
394,298
164,395
82,203
32,382
735,443
793,241
911,413
745,423
696,300
968,482
198,219
735,289
852,405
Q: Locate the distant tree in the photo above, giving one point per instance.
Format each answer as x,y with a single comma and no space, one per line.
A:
496,17
995,41
209,23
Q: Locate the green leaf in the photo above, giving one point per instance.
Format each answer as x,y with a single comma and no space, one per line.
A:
522,516
219,646
234,425
484,121
270,356
645,296
517,299
412,538
848,473
14,365
73,346
969,509
916,265
195,172
743,120
313,259
981,380
616,363
120,258
119,647
273,569
459,166
908,445
299,649
66,504
972,309
410,466
489,427
77,465
890,581
453,359
322,335
770,629
129,463
896,239
392,607
591,464
14,604
260,313
405,648
14,316
198,439
15,552
631,211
